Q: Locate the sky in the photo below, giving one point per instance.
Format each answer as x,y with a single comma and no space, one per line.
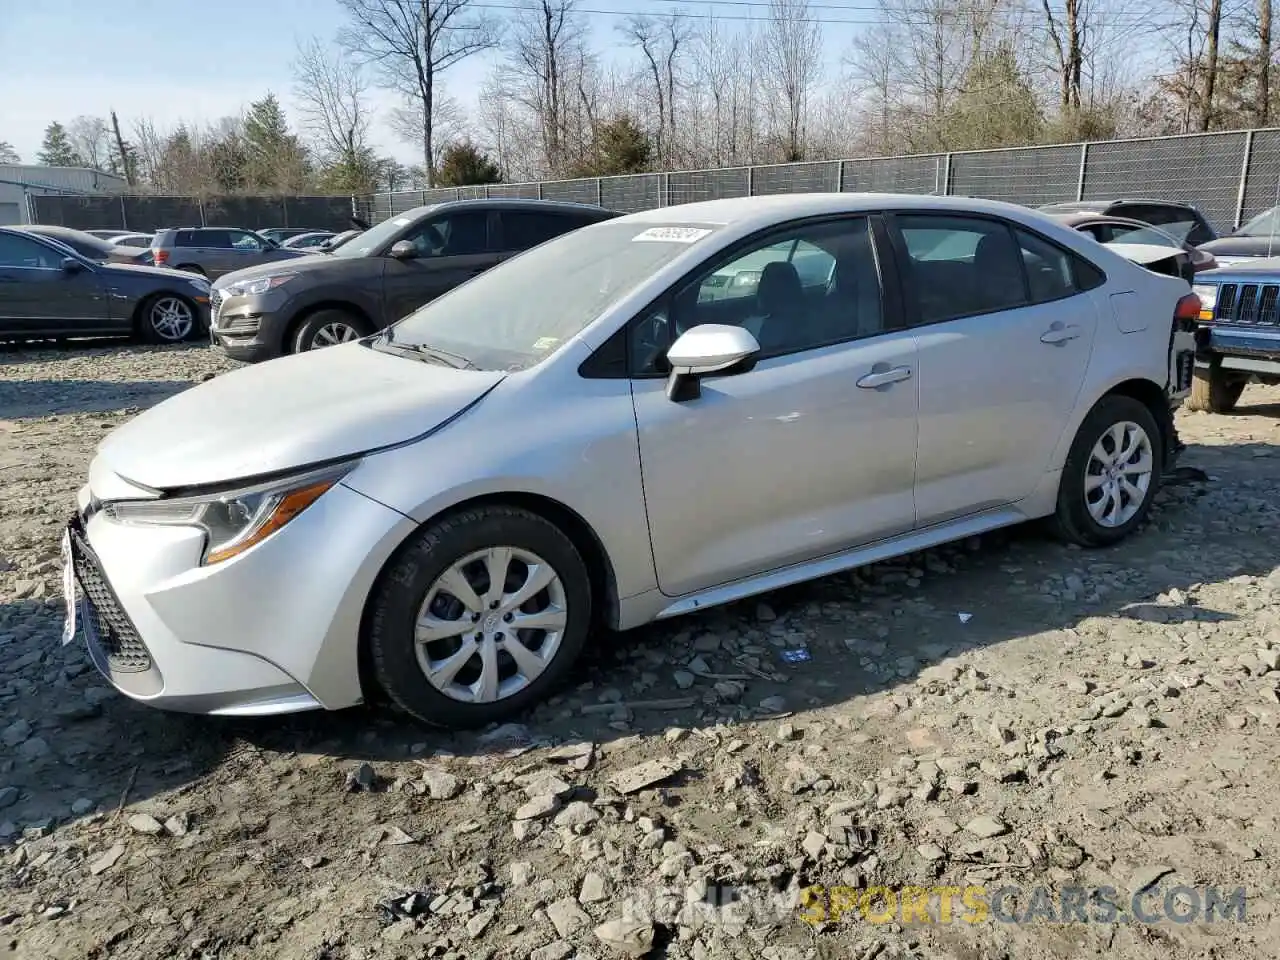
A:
199,60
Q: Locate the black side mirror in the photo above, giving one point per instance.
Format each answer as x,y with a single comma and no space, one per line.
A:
404,250
71,265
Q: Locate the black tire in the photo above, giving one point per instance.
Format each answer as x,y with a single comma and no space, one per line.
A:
429,555
192,268
148,320
1072,520
304,338
1215,390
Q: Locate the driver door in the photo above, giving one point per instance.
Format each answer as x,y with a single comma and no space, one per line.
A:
801,456
452,248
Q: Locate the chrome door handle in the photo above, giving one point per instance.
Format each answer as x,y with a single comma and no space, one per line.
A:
1060,334
882,378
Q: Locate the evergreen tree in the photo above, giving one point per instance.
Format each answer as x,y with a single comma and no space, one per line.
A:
56,149
7,153
274,157
464,164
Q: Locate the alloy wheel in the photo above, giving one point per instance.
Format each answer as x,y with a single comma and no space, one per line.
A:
332,334
1118,476
491,624
172,319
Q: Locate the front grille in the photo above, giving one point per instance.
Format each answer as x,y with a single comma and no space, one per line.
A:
108,626
1252,304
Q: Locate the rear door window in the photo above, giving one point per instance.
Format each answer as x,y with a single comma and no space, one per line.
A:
522,229
213,239
962,266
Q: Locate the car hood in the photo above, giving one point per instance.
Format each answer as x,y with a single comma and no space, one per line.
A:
289,413
1250,269
142,269
1243,247
299,263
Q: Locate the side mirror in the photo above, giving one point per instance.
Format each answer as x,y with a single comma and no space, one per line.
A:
404,250
706,349
71,265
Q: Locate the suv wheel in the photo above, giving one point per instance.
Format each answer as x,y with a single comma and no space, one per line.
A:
1215,390
168,318
482,616
1111,475
328,328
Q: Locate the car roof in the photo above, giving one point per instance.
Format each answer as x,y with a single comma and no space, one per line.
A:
1074,218
1101,205
762,211
508,203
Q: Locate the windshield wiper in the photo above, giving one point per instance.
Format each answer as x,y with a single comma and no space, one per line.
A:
426,353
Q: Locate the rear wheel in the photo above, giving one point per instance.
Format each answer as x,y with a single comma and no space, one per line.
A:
1111,475
328,328
1215,390
482,616
168,318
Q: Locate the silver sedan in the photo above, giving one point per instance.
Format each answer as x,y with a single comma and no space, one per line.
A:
613,428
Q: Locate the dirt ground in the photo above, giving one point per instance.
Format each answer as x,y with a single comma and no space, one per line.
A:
1043,730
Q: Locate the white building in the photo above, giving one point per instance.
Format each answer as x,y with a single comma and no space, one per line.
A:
19,182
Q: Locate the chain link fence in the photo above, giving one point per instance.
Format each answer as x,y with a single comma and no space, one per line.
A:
150,213
1229,176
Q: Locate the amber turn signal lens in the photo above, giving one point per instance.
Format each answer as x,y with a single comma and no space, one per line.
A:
288,507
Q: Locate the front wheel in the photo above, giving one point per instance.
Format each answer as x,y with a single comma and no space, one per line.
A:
1111,475
482,616
168,318
328,328
1214,390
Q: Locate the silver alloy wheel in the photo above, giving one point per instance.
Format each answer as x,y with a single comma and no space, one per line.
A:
172,319
331,334
1117,479
491,624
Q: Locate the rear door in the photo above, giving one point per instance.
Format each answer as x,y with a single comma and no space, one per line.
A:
213,251
1004,332
452,248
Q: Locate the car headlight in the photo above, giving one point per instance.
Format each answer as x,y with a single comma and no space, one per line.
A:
1208,294
257,286
234,520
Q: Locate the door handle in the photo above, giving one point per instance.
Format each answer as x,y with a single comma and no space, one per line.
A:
1058,333
883,377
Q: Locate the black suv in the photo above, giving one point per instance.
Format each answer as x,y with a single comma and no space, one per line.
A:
380,275
1181,221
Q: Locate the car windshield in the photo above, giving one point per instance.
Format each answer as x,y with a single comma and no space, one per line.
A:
377,236
1265,224
518,313
1148,235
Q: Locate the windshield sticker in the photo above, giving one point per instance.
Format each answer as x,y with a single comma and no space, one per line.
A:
402,221
671,235
545,343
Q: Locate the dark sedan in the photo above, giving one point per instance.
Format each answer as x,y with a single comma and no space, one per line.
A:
48,291
1106,228
89,246
1258,238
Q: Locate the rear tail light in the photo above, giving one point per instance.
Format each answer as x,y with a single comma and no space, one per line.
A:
162,257
1188,308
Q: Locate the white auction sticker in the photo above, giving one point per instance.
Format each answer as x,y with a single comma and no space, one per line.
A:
68,590
403,221
671,234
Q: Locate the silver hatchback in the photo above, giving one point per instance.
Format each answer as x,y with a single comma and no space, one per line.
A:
603,431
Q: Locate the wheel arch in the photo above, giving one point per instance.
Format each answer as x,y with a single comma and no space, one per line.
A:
311,309
604,590
1143,389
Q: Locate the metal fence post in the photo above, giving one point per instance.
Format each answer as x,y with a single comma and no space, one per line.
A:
1084,165
539,189
200,204
1244,178
946,176
751,181
124,214
599,191
839,176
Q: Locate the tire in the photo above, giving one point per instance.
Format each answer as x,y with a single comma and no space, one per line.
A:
192,268
1073,520
1215,391
324,328
168,318
418,583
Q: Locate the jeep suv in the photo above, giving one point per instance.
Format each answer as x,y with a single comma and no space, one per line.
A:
213,251
380,275
1240,332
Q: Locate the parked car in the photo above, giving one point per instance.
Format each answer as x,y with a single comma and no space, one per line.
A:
281,234
1241,342
338,239
107,234
48,290
134,239
214,251
1182,221
89,246
1110,229
1258,237
446,513
307,241
381,275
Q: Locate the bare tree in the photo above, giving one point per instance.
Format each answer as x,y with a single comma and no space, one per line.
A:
1212,35
413,42
90,138
1262,103
1067,32
332,93
661,42
448,122
546,39
792,51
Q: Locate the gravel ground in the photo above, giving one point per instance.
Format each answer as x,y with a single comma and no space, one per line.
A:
1004,712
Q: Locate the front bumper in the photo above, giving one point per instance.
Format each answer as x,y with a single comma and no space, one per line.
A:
250,329
274,630
1249,348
